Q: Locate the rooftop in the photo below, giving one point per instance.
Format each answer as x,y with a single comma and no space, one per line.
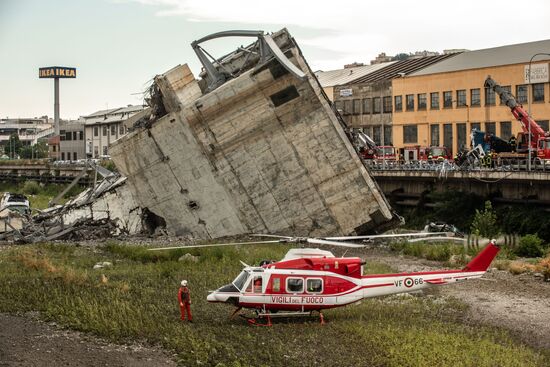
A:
402,68
488,57
343,76
111,115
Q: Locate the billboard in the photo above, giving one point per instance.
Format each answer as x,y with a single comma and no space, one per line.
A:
57,72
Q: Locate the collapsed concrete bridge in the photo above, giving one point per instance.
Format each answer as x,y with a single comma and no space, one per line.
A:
253,146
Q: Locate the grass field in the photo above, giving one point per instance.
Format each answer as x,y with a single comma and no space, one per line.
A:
135,299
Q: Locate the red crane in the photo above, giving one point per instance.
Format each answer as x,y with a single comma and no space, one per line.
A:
540,141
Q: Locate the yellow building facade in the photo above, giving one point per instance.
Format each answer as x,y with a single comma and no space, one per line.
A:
440,109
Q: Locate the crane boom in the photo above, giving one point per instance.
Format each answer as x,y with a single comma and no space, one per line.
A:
517,110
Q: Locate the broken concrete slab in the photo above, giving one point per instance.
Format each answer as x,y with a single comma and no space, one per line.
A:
254,146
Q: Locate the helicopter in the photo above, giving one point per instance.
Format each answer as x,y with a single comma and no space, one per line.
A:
310,280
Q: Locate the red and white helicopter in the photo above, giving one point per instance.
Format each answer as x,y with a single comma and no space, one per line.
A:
310,280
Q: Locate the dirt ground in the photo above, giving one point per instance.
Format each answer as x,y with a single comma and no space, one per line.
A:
518,303
27,341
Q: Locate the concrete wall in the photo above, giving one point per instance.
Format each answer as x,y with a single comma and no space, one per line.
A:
231,161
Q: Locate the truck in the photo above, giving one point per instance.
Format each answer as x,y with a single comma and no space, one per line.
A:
540,140
415,153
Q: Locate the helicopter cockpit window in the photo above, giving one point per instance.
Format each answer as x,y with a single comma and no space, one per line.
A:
314,285
294,285
255,286
240,280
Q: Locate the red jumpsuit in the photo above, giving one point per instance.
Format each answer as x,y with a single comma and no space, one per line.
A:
184,298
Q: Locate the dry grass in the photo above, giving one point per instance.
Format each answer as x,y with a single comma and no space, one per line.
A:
520,267
544,267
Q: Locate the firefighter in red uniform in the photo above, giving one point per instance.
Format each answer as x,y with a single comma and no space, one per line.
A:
184,298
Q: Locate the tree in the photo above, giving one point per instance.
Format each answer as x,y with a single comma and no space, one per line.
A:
400,56
39,150
485,222
13,146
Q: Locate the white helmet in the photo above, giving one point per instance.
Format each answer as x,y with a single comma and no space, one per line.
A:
184,283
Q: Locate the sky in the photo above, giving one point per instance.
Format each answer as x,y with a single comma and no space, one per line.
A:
118,46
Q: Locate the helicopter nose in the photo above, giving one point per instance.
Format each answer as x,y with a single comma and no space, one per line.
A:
212,297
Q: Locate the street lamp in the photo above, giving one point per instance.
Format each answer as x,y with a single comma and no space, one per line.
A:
529,105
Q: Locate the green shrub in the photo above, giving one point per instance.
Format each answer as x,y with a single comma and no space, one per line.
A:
31,188
529,246
485,222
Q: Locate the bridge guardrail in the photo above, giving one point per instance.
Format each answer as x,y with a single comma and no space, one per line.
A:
537,165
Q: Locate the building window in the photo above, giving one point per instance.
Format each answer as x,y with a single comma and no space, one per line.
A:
410,134
410,102
475,125
81,135
398,103
68,136
434,135
74,156
434,101
347,106
521,93
506,88
105,150
505,130
376,105
113,130
54,148
105,130
421,101
387,105
75,135
461,98
490,128
448,137
367,104
62,156
448,99
356,106
62,135
121,130
475,98
461,134
388,138
338,106
376,135
489,97
96,131
538,92
543,124
96,151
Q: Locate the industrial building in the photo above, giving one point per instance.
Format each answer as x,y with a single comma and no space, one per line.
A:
71,140
29,130
366,102
443,102
104,127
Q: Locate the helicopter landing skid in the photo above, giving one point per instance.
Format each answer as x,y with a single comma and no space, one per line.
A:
269,315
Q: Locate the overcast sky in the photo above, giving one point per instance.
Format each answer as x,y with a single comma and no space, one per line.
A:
117,46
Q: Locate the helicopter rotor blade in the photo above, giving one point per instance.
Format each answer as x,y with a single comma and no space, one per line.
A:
216,245
271,235
372,237
320,241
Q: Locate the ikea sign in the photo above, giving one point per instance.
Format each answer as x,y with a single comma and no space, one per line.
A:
57,72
